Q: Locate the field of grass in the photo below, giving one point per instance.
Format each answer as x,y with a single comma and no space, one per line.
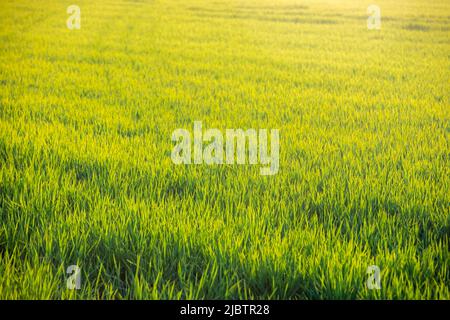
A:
86,177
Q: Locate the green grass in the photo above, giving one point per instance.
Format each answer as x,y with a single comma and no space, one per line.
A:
86,177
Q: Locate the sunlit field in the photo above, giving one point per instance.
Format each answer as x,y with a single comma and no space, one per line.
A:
87,179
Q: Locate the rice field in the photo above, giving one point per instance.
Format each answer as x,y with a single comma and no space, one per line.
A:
87,179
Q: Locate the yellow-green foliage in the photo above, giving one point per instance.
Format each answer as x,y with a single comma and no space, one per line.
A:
86,178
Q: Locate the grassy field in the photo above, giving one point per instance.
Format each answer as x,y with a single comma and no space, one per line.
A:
86,177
